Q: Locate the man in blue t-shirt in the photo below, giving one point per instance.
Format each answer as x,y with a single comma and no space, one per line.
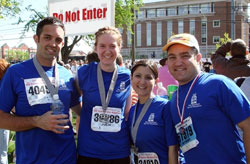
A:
206,109
33,87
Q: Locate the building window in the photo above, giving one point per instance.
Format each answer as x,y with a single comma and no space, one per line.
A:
148,33
182,10
180,26
172,11
205,8
169,29
216,23
151,13
159,33
138,34
212,7
192,26
216,39
194,9
161,12
140,14
204,31
128,38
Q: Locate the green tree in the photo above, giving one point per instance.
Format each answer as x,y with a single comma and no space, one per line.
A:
223,40
125,13
9,8
17,55
124,18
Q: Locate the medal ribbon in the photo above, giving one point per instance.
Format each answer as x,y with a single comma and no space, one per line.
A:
136,123
105,101
181,115
52,89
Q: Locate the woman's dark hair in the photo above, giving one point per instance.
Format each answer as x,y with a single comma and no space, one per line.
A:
92,57
146,63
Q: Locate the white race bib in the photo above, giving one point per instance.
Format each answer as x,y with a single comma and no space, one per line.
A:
187,135
37,92
145,158
110,121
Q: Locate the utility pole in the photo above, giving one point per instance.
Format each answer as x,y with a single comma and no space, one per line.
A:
232,20
133,38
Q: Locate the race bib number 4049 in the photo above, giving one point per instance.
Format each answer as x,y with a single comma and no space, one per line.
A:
108,121
37,92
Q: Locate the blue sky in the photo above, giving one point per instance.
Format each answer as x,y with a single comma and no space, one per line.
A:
10,32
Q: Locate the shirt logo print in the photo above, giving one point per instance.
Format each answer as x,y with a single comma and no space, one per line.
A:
194,102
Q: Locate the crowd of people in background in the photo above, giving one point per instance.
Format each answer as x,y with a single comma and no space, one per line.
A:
121,117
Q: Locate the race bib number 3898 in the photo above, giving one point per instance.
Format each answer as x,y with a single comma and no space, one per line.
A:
37,92
108,121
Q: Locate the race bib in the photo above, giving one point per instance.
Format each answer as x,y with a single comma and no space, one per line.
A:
109,121
187,135
146,158
37,92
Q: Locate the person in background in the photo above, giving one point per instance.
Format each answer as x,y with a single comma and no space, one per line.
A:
119,60
74,67
164,75
92,57
236,66
103,134
147,119
206,109
207,65
41,136
4,134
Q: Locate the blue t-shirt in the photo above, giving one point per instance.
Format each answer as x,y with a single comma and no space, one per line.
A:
215,105
151,134
102,145
22,82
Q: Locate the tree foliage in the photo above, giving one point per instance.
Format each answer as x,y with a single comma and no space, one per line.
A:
125,13
223,40
17,55
34,18
9,8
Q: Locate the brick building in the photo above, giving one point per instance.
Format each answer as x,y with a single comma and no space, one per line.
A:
22,47
208,20
75,54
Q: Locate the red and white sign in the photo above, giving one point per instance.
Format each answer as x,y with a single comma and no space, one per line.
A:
82,17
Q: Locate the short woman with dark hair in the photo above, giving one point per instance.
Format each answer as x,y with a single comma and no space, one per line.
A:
147,118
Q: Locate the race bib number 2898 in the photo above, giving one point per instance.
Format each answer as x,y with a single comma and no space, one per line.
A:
37,92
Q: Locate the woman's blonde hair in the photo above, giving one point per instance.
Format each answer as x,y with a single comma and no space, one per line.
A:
109,30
